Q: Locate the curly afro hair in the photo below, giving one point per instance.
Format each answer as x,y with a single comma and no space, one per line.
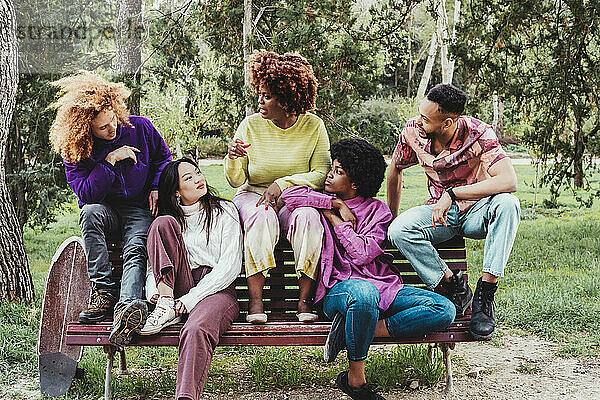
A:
362,162
449,98
289,78
82,97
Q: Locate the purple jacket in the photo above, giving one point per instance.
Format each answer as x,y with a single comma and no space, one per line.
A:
348,253
94,180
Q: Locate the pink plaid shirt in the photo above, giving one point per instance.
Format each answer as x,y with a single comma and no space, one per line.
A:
465,160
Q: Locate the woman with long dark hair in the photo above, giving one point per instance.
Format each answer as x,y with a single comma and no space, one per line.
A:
195,252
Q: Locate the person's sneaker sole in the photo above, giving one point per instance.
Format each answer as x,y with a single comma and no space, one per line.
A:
133,319
336,339
156,330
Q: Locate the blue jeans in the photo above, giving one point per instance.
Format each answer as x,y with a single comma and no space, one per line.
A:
97,221
494,218
413,312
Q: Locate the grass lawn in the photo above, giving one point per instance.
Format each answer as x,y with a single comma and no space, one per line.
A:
550,289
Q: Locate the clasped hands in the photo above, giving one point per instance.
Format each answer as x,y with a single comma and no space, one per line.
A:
339,212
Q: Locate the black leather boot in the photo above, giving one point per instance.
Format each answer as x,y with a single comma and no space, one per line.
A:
459,292
483,322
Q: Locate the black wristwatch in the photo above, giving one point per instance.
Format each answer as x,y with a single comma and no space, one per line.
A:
451,194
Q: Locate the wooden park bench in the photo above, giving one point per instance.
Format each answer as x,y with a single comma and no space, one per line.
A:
283,329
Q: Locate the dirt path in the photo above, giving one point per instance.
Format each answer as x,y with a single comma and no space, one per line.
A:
520,367
512,368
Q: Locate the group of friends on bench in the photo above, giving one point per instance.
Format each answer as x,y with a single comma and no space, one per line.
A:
183,245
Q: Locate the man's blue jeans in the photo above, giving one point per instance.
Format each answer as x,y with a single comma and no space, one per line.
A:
414,312
97,221
494,218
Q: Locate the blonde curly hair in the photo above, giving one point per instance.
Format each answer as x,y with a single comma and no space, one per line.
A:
82,97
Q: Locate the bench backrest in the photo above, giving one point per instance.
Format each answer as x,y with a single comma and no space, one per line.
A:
280,293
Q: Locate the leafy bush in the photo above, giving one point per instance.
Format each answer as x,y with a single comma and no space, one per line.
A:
212,146
377,120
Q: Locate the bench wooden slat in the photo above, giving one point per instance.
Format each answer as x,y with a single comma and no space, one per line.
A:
280,297
273,328
404,267
270,334
300,339
446,254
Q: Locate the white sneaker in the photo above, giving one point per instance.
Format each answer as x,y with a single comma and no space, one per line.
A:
162,316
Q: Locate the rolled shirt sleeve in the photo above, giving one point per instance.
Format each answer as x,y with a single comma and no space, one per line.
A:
404,156
491,150
303,196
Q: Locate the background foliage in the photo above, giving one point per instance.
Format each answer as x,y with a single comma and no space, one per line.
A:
540,58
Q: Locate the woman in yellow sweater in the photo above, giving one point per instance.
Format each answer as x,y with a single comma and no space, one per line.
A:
281,146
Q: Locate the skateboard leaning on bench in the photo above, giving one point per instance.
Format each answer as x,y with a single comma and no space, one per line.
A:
66,293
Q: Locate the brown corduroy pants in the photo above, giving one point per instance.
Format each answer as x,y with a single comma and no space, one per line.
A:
209,319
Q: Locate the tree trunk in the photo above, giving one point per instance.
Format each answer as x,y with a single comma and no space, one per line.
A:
441,23
247,32
498,123
410,57
128,57
428,66
454,23
535,188
578,179
578,156
14,164
15,277
178,150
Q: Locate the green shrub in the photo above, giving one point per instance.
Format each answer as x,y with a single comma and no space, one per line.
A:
211,146
377,120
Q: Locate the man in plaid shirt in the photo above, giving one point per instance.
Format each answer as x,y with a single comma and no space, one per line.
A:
469,178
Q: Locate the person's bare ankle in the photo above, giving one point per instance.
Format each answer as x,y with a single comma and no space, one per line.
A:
304,306
256,306
355,383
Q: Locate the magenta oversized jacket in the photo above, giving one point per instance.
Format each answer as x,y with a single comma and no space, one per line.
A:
348,253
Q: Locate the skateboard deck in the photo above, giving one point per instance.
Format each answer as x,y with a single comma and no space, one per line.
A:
66,293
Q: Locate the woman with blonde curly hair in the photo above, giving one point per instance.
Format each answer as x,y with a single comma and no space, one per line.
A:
281,146
112,162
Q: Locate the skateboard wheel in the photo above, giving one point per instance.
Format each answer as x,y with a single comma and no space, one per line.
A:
79,373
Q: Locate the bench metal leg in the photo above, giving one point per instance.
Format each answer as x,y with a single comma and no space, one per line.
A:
430,348
446,351
122,362
110,354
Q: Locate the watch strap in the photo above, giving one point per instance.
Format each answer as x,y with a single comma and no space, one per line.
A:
451,194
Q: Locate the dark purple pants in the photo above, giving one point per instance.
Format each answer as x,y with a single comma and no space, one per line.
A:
209,319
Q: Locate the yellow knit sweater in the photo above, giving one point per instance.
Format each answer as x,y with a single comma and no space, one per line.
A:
298,155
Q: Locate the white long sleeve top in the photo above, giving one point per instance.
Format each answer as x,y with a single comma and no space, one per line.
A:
223,252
